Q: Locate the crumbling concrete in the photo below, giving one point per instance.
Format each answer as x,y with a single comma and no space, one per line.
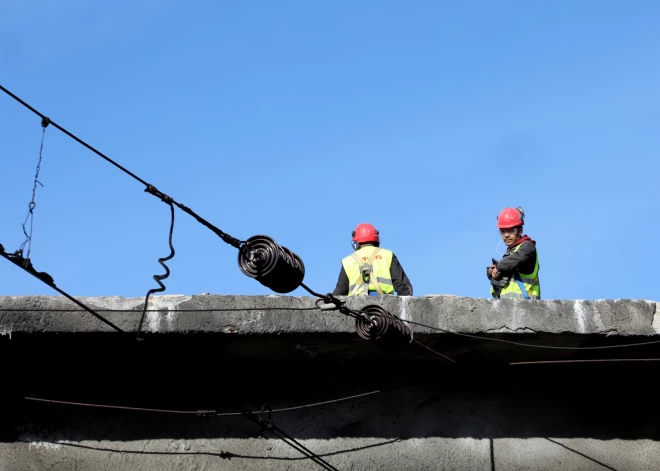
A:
357,404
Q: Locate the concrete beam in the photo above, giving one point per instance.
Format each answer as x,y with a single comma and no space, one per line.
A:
250,315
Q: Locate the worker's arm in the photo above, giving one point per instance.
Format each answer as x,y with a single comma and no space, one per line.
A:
342,284
401,283
522,260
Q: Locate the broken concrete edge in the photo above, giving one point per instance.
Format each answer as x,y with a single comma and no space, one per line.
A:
274,314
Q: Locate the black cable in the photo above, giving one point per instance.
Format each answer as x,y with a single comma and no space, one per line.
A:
327,298
233,241
149,188
44,277
42,116
159,278
238,244
604,347
269,426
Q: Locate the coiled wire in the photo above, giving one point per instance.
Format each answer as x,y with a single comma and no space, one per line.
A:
272,265
380,326
159,278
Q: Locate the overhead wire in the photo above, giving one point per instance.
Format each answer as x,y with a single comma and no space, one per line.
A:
598,360
44,277
263,259
551,347
149,188
80,141
206,412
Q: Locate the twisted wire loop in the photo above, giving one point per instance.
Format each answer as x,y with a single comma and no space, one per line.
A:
30,215
380,326
272,265
159,278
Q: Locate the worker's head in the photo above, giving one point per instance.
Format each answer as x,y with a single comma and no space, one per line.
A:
510,223
365,234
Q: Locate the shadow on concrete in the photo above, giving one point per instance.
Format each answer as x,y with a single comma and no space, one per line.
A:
418,397
225,455
581,454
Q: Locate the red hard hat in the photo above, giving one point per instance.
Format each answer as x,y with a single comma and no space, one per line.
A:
365,233
510,217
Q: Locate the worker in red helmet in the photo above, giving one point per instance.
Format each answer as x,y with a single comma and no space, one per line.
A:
371,270
517,274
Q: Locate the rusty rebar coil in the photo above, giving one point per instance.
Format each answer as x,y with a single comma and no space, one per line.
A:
272,265
380,326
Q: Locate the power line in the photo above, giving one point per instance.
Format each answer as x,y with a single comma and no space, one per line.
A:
551,347
433,351
44,277
604,360
42,116
149,188
202,412
292,258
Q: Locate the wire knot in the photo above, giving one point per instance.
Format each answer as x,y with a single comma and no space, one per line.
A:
45,121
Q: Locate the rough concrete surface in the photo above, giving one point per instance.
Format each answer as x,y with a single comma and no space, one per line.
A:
278,314
546,454
356,404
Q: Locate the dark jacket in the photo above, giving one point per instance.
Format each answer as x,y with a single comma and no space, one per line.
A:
523,261
401,283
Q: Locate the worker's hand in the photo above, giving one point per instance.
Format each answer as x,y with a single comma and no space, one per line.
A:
492,270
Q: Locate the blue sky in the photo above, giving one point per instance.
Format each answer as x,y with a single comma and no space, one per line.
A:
301,119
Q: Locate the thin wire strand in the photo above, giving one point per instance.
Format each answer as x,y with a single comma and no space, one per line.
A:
433,351
550,347
33,204
605,360
202,412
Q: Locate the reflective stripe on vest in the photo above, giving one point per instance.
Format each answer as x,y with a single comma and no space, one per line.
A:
380,271
530,282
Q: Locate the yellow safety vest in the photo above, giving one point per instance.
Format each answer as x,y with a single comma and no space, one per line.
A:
368,269
530,282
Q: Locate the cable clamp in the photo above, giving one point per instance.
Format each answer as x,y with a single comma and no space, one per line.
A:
265,419
156,192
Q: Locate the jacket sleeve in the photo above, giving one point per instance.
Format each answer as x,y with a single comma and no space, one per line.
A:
342,284
401,283
523,260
